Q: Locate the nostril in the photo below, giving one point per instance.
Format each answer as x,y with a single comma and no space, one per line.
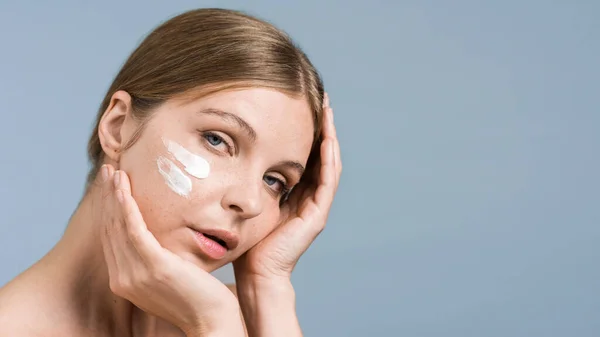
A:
236,208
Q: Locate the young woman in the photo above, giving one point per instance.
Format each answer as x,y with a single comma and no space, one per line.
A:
214,144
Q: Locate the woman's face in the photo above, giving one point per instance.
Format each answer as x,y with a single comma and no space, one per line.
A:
256,143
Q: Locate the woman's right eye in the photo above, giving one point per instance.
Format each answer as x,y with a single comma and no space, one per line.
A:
216,141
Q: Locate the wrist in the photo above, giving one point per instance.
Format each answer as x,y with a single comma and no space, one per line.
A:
265,294
225,332
266,285
268,306
228,322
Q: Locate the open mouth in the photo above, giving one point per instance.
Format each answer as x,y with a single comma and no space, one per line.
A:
217,240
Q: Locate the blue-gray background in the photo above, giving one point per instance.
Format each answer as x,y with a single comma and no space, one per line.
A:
469,200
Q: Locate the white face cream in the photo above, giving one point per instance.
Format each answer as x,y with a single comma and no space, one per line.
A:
192,163
175,178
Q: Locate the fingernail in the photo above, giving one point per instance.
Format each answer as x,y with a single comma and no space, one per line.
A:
104,172
326,100
117,178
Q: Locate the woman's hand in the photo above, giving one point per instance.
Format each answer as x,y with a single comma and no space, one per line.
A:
304,213
263,273
155,279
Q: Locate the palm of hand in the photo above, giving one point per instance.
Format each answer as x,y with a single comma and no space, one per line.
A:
278,253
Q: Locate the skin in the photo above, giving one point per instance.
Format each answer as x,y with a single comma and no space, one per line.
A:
128,264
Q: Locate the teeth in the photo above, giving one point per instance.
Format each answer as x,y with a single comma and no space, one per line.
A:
217,240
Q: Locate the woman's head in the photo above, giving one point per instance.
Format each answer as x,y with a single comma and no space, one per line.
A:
212,88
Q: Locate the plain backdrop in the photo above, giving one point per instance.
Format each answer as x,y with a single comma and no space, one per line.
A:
469,204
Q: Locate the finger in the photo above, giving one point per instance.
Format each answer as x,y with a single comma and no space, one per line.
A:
105,175
328,129
330,122
327,177
107,208
107,227
123,182
337,152
338,163
137,231
102,175
109,254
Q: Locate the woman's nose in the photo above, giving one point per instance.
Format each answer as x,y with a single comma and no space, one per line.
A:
245,199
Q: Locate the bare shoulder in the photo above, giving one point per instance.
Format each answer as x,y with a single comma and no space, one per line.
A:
13,319
22,311
232,288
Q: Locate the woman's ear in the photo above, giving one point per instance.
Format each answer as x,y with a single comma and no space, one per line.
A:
112,132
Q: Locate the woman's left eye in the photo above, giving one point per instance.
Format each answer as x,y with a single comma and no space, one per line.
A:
272,181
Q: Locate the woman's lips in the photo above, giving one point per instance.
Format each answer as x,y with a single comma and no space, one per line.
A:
210,247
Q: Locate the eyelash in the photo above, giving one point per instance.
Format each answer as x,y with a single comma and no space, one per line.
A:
285,194
207,135
285,190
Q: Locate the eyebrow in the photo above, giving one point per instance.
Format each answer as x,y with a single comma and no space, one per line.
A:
294,165
251,133
238,120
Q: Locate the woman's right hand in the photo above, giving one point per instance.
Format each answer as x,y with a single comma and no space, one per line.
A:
153,278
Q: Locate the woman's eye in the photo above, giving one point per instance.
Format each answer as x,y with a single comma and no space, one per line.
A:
214,140
272,181
217,142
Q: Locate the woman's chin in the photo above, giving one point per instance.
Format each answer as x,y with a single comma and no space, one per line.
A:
204,263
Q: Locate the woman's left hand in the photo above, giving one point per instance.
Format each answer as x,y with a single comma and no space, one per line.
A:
304,214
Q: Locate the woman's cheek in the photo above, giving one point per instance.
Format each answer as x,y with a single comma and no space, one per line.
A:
180,167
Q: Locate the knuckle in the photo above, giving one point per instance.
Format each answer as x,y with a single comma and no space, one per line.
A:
120,285
135,237
319,226
160,274
319,229
126,284
144,280
114,287
128,214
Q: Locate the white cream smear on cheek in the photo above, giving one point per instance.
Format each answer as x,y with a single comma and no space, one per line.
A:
174,177
193,164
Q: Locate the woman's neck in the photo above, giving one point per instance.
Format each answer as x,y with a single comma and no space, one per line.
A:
78,270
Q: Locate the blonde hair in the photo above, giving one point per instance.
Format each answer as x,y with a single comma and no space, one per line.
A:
207,50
